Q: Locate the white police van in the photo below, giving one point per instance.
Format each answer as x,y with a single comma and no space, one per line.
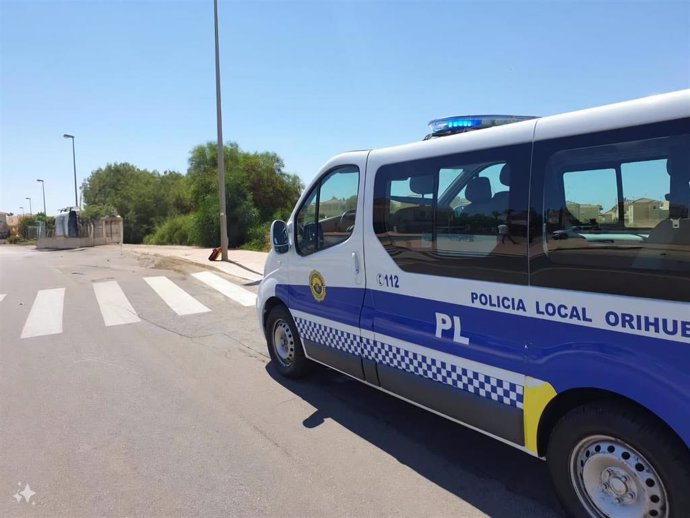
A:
529,280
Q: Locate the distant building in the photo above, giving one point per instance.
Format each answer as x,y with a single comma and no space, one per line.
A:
4,227
645,212
13,222
585,213
640,213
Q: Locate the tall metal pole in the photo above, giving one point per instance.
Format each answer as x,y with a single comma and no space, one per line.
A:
31,213
43,184
74,163
221,152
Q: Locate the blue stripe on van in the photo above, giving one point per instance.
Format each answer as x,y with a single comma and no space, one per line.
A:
338,304
566,355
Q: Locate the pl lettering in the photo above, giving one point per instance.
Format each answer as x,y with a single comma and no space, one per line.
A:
450,323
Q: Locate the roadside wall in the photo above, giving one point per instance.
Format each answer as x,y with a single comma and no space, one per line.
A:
105,231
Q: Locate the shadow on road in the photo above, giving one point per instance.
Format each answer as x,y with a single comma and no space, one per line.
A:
447,454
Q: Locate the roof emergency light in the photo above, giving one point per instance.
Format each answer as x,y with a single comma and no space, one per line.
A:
463,123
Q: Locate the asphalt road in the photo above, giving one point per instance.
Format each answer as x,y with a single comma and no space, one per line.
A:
167,414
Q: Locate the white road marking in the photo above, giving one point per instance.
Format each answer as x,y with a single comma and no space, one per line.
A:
45,317
115,307
230,290
179,300
2,296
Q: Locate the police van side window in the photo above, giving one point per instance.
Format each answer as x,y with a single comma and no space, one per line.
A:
457,215
615,213
591,196
327,216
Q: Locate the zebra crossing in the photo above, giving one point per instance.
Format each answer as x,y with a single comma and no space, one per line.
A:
175,297
230,290
115,307
45,317
46,314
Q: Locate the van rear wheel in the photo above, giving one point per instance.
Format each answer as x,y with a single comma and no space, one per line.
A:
611,460
284,344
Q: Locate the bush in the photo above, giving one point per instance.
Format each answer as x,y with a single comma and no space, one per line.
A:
259,238
94,211
177,230
207,222
242,213
24,224
14,239
241,216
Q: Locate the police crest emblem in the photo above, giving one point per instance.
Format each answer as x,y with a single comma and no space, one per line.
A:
317,285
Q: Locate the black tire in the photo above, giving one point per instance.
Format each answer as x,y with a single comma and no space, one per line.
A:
648,466
288,356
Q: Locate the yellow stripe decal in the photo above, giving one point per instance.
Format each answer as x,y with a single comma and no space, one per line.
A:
538,393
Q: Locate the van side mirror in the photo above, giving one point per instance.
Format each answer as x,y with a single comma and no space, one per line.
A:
279,237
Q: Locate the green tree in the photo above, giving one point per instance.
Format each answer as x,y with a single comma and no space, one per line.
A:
24,224
257,191
96,211
273,190
48,220
143,198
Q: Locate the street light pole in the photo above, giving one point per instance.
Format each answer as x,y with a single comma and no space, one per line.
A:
221,151
31,213
43,185
22,211
74,163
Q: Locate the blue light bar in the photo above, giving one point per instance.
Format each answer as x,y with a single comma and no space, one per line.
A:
463,123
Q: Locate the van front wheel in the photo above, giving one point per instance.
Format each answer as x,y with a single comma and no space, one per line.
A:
611,460
284,344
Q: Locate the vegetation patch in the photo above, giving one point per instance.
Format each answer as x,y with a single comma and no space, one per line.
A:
171,208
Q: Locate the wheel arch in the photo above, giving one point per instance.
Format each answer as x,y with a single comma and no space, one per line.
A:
570,399
270,303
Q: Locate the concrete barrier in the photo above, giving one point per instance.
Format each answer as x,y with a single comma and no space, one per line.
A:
105,231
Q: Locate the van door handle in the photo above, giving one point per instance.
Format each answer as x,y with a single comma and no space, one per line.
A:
355,259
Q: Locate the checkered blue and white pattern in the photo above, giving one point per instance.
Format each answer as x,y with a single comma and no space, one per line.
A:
329,336
474,382
438,370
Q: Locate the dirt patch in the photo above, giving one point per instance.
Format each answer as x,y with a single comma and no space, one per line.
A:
177,265
157,262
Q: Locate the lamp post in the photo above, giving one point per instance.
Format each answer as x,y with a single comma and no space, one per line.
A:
22,211
74,162
43,185
221,150
31,213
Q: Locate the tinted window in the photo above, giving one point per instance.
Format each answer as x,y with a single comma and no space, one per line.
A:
645,184
581,205
327,216
458,216
306,226
615,212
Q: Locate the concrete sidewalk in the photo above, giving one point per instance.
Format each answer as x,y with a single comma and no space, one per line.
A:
245,264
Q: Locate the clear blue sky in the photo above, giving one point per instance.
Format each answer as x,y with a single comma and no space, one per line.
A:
134,81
